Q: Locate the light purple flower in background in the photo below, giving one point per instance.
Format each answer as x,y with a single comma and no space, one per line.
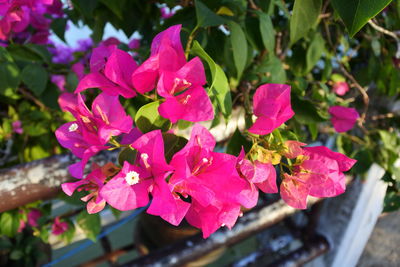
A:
61,54
84,45
59,80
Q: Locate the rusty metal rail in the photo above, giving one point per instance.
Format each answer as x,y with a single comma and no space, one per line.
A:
37,180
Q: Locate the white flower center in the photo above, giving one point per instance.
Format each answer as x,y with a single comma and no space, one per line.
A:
144,156
73,127
132,178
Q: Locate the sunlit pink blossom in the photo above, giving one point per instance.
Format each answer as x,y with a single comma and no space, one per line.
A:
343,118
92,183
271,104
340,88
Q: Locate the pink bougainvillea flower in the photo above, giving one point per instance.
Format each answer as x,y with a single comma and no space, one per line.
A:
131,137
110,41
17,127
185,98
89,134
21,226
33,217
179,82
271,104
59,80
294,191
59,227
129,189
134,44
79,69
320,174
210,179
343,119
167,54
340,88
92,183
111,71
259,176
293,149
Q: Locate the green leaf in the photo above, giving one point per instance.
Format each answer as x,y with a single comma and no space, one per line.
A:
304,17
58,26
205,17
148,119
90,224
356,13
313,128
172,144
16,254
267,31
9,223
115,6
271,70
115,212
35,78
236,142
239,47
364,159
127,154
10,78
314,51
305,111
390,140
219,86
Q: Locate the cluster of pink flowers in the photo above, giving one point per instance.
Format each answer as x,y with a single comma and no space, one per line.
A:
17,15
206,188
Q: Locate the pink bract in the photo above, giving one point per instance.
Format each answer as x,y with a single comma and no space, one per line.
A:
92,183
111,71
211,179
343,118
59,227
271,104
33,217
166,55
258,175
17,127
341,88
293,149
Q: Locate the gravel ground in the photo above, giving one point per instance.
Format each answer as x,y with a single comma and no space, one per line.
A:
383,247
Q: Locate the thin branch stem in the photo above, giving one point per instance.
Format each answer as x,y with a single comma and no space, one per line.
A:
362,92
190,40
29,96
387,32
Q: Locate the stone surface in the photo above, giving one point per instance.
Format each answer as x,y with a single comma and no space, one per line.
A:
383,247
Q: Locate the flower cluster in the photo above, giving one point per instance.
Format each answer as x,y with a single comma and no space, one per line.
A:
207,188
17,16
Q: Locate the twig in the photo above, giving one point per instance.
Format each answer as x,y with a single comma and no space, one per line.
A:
387,32
362,92
29,96
324,16
190,40
383,116
252,5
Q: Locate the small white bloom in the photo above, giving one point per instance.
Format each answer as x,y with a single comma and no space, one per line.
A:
132,178
73,127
